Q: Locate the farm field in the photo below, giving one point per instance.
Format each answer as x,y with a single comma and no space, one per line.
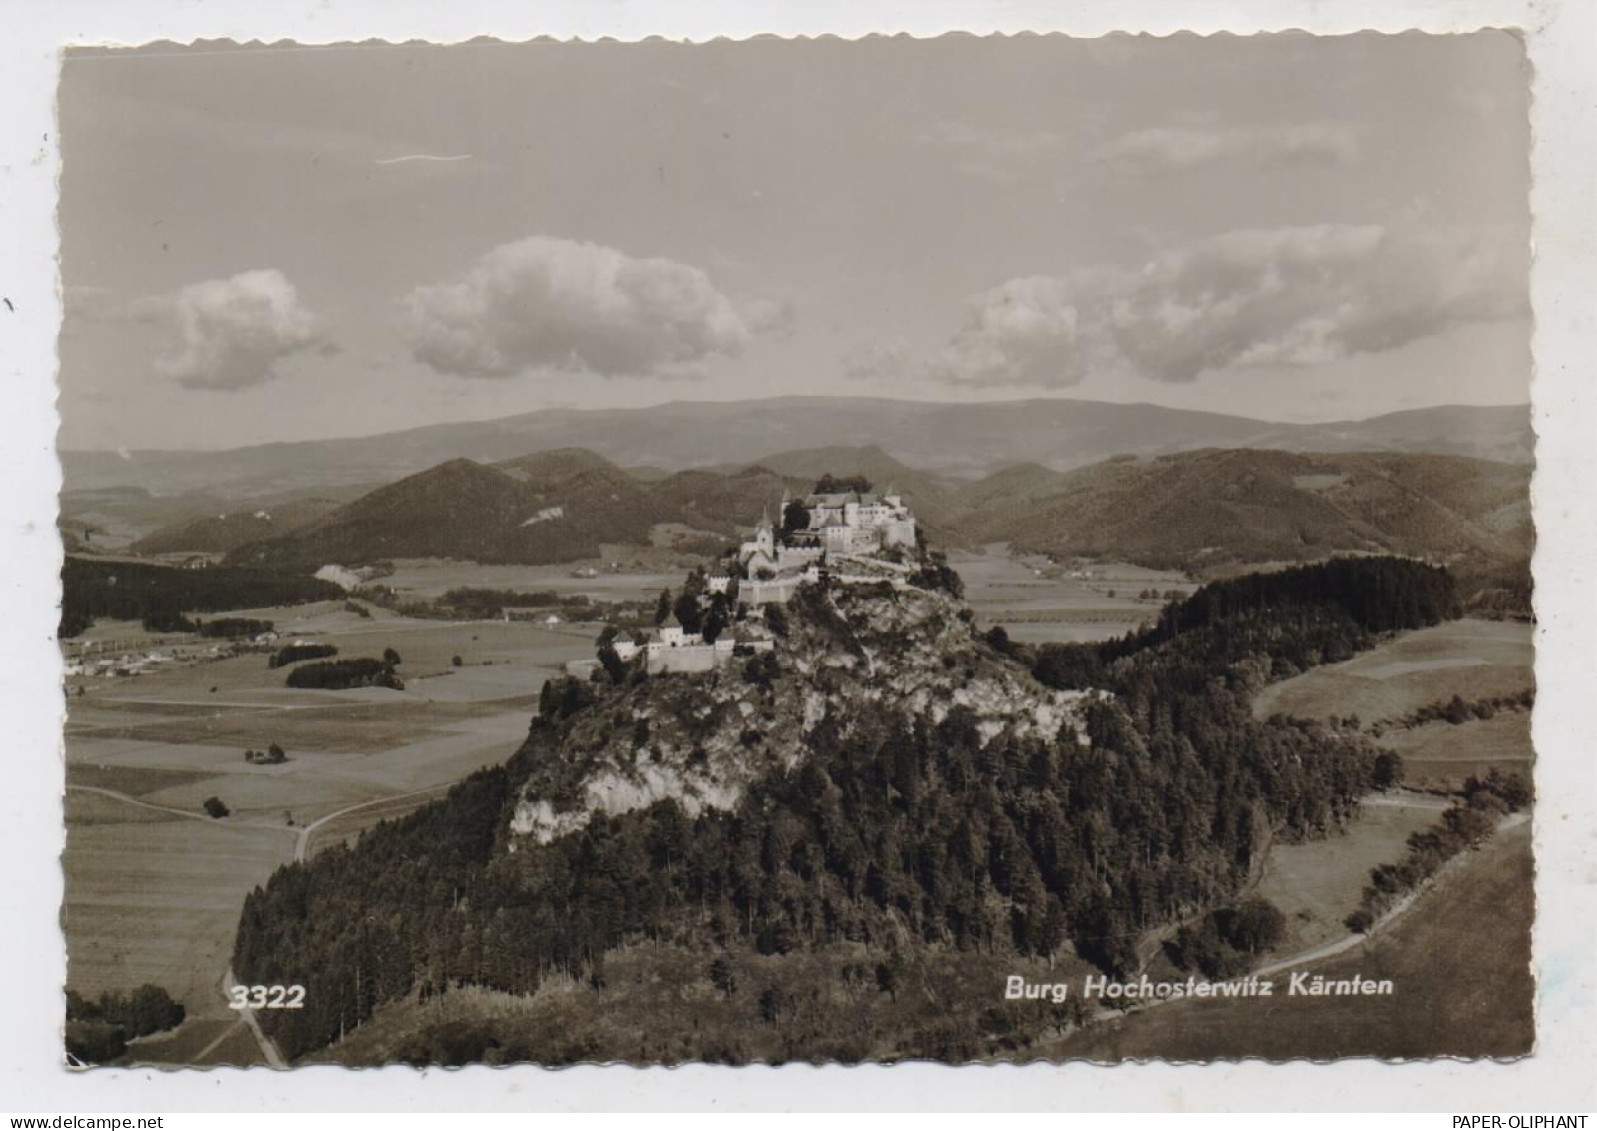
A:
1038,601
433,577
1459,961
155,897
154,887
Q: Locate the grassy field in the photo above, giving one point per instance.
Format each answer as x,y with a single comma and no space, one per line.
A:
1037,601
154,896
1459,961
1317,883
1442,756
1472,658
432,577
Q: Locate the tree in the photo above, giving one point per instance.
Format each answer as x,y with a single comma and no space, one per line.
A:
275,753
1386,772
391,657
615,667
715,621
686,609
796,517
890,974
214,808
830,484
723,977
456,661
662,607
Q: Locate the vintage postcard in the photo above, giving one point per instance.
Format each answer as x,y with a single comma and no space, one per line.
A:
959,549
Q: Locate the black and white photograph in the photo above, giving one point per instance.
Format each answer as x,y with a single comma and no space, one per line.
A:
772,551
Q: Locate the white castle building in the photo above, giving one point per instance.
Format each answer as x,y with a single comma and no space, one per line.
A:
841,524
846,522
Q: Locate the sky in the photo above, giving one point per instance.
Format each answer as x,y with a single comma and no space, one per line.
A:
283,243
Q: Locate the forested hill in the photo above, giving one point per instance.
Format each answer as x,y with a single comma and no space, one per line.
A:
1199,510
548,507
886,785
1207,512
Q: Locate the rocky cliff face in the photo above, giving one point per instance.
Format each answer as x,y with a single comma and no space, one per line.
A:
852,657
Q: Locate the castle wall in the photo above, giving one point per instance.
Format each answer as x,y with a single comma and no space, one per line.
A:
688,658
777,592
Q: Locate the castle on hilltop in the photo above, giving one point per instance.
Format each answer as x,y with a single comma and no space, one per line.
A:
843,537
822,527
844,522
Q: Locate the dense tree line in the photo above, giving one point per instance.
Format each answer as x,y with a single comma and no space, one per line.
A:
232,628
120,590
1257,628
1226,942
896,829
340,675
491,603
294,653
98,1030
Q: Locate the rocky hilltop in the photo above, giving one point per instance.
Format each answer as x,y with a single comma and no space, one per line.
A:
848,658
865,811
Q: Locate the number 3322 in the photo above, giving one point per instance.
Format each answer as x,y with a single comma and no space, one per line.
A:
266,997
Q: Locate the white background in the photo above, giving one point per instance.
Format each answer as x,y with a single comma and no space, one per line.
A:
1562,1075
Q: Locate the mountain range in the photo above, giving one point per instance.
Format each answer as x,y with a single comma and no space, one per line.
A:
1202,510
960,440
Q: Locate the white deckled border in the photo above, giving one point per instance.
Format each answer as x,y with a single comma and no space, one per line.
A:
1562,36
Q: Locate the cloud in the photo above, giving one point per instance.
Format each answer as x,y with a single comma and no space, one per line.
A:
1265,297
996,141
1162,149
423,157
1037,330
553,303
233,333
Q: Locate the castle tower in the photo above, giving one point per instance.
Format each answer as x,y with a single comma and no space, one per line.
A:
765,534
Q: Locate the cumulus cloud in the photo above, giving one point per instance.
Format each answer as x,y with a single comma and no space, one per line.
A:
1037,330
232,333
1279,297
1161,149
553,303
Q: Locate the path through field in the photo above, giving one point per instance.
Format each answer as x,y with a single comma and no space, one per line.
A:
246,1018
1352,939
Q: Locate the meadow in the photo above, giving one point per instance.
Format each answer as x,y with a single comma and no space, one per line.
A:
1038,601
1316,884
433,577
1472,659
154,887
1459,962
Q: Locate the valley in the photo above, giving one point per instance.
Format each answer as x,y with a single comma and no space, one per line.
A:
159,722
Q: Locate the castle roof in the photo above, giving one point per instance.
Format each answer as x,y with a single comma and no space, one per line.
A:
671,621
